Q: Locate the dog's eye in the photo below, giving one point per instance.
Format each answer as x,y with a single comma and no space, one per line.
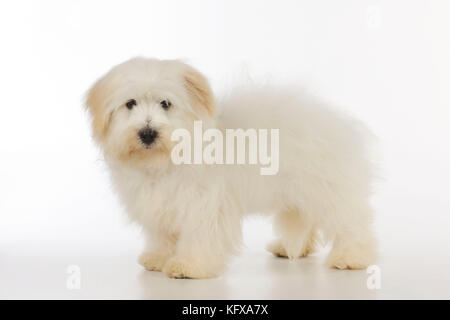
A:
130,104
165,104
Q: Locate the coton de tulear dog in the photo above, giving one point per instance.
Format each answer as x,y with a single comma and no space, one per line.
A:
191,212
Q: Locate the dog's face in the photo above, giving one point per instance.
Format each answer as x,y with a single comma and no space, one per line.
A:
136,106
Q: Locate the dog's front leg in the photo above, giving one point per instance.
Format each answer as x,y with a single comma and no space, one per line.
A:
159,248
202,251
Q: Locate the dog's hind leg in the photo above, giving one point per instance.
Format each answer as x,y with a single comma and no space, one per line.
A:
297,236
354,245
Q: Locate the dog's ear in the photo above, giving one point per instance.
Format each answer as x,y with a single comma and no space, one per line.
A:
200,93
96,102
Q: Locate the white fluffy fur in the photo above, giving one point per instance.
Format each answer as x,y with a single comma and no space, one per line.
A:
192,214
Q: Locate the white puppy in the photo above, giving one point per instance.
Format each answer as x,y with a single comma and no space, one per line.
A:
192,214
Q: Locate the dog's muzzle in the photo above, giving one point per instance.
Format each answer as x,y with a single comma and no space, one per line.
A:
147,136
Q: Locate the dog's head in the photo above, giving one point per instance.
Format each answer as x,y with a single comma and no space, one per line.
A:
136,106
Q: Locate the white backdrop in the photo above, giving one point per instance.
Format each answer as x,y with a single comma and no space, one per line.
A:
386,62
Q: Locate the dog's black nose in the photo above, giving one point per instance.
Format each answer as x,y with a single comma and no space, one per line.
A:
147,136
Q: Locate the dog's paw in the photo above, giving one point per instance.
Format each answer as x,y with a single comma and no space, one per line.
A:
351,259
153,261
278,249
180,268
347,262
